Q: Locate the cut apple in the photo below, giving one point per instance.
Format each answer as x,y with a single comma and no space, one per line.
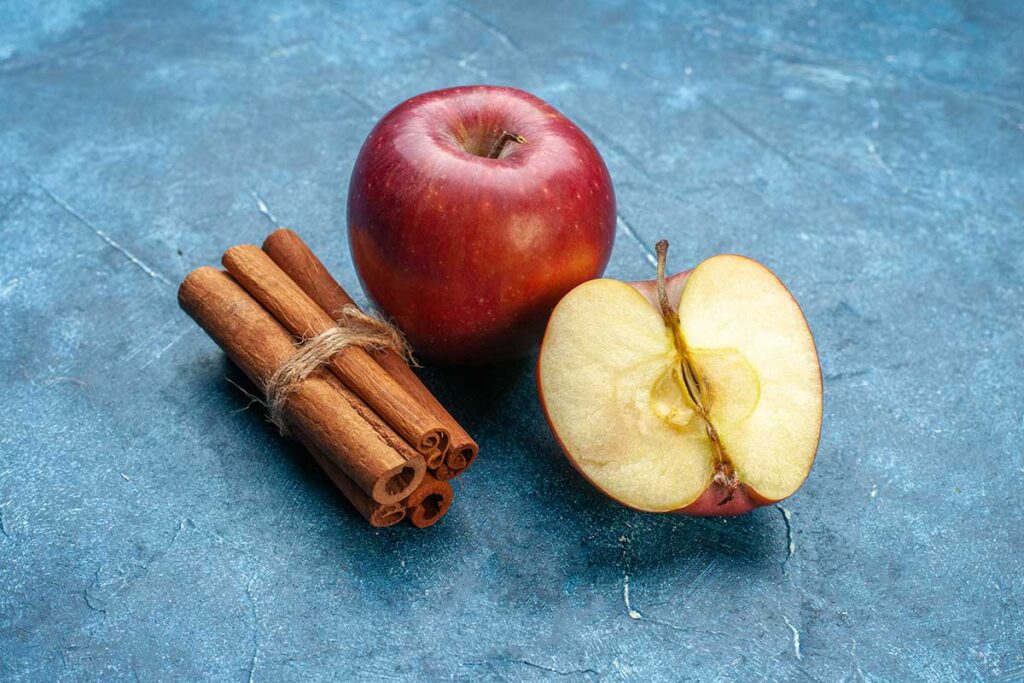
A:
700,393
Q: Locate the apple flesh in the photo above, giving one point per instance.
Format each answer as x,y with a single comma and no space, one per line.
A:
699,393
471,212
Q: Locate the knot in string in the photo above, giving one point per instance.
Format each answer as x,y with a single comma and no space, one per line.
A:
353,328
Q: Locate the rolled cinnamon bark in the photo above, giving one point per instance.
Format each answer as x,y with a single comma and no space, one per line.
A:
296,259
334,419
445,473
377,514
428,503
286,301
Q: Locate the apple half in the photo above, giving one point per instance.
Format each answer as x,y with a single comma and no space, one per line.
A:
699,393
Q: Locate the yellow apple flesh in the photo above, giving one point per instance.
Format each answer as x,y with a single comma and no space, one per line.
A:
707,405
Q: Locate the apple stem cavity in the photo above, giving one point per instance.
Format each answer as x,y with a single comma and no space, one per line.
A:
499,145
725,473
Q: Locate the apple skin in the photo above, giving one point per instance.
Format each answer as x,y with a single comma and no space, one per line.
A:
469,254
744,498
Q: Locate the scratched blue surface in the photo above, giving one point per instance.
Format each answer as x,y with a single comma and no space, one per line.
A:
152,529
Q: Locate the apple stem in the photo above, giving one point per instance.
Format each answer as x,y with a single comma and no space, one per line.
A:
725,474
671,318
499,145
667,312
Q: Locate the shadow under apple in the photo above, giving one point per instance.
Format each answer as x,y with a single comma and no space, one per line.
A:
520,459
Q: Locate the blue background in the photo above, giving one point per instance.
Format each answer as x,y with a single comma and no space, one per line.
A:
152,529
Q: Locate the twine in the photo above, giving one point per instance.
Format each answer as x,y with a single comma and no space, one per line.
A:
353,328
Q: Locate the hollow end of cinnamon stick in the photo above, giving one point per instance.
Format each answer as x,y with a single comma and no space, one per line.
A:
387,515
433,445
429,502
400,482
377,514
461,456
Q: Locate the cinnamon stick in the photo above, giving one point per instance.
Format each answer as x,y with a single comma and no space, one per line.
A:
333,418
296,259
287,302
428,503
377,514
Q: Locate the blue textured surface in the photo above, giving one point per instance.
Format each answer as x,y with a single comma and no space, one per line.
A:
150,529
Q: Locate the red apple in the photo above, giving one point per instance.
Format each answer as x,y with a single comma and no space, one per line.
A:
471,212
702,396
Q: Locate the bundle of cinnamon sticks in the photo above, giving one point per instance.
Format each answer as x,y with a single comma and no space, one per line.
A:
377,432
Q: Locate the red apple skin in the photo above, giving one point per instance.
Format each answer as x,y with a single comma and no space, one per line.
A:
709,503
469,254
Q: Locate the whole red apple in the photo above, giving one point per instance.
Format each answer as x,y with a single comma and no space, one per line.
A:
471,212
